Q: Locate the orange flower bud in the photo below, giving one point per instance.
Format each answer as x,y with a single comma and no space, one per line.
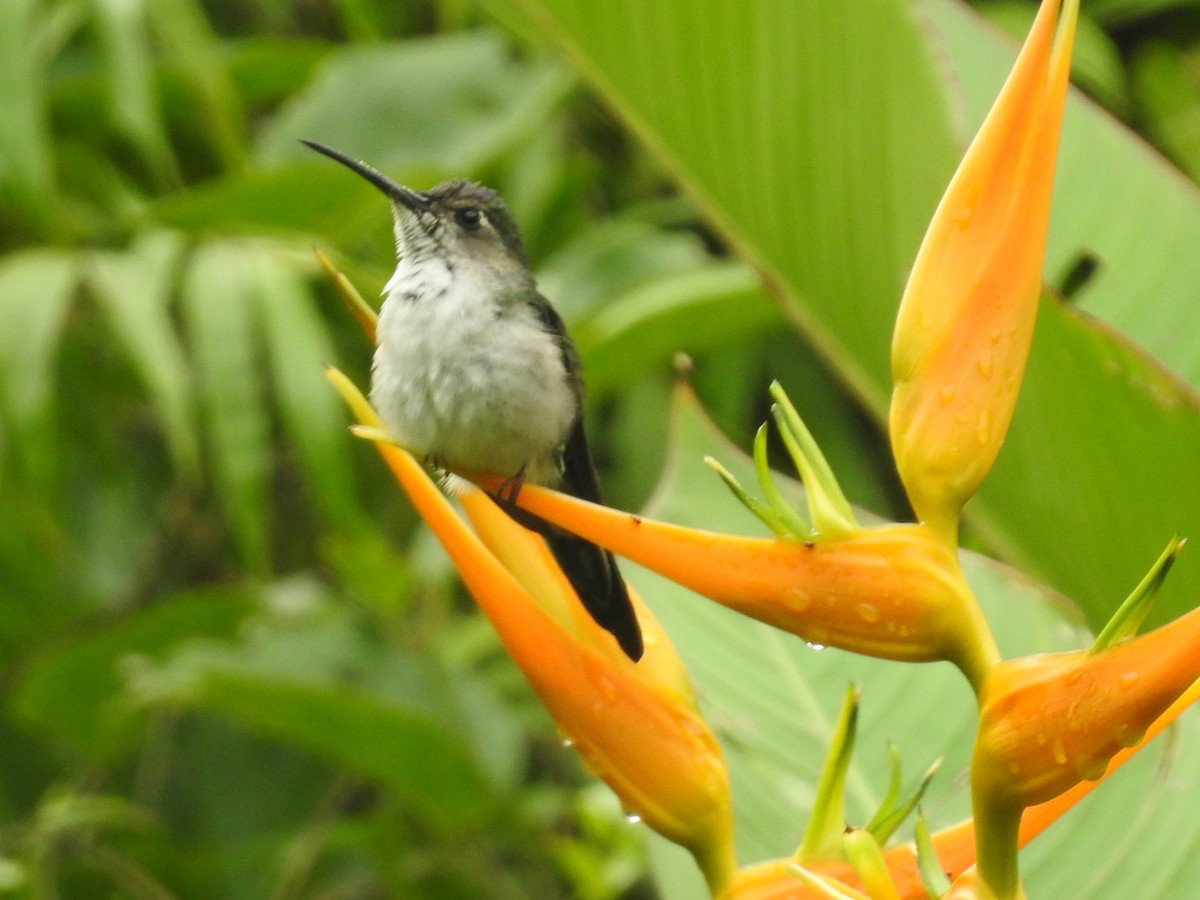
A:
966,319
1049,722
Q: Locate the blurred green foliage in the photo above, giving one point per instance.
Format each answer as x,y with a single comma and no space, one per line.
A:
233,664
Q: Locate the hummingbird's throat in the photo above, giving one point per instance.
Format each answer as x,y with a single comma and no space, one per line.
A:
417,234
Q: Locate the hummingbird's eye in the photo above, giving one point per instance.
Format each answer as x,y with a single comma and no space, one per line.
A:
469,218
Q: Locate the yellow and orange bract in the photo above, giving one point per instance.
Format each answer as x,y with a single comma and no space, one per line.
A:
966,320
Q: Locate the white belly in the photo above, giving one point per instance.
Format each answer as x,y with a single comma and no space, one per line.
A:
459,381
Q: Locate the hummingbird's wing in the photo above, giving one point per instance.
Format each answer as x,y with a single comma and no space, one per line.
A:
591,570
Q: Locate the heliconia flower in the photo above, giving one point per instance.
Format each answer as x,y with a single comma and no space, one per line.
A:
966,319
954,846
1049,722
635,725
892,591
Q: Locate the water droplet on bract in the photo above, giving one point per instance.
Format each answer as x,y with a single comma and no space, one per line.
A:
632,818
798,599
984,365
1059,752
995,337
868,612
568,743
945,395
983,428
1127,679
1129,734
814,646
1092,769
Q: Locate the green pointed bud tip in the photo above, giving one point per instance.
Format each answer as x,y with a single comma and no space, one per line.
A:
829,509
762,511
865,855
891,815
823,836
1129,616
793,524
929,867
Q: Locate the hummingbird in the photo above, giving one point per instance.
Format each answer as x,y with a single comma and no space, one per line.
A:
474,369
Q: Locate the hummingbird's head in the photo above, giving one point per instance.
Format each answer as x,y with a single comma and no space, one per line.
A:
456,220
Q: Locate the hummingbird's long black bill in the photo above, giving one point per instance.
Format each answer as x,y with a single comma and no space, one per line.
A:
398,192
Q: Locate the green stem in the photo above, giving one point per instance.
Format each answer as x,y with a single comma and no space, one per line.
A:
997,832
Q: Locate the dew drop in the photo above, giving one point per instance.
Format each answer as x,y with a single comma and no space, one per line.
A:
798,599
868,612
1092,769
1129,734
568,743
1059,752
632,818
983,428
984,366
814,646
945,395
995,337
1127,679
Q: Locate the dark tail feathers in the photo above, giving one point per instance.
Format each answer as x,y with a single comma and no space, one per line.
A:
593,573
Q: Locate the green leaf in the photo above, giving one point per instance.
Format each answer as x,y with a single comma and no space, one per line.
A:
1091,485
298,348
36,289
135,289
26,167
308,675
615,259
214,107
398,748
219,308
302,198
688,312
451,103
128,69
71,689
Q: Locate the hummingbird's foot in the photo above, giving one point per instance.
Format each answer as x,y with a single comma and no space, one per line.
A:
506,498
510,488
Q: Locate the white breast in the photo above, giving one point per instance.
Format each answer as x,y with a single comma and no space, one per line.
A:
466,382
